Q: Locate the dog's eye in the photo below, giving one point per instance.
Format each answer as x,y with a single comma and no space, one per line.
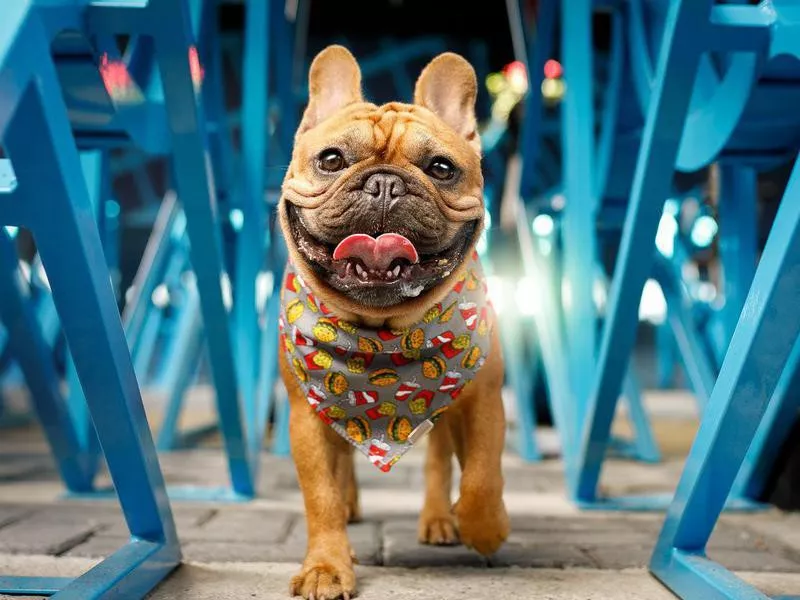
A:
441,169
331,160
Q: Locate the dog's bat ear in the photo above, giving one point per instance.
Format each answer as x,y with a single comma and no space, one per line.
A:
334,81
448,87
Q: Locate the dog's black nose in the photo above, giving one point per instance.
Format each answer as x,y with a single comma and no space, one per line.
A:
385,186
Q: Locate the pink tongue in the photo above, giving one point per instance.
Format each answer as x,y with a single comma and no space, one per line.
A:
376,253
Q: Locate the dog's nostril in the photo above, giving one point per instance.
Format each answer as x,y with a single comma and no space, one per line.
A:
383,185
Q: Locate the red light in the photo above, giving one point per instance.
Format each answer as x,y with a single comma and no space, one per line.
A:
514,68
194,65
118,82
115,76
553,69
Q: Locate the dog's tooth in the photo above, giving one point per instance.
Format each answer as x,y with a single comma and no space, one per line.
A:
348,269
396,271
388,273
359,269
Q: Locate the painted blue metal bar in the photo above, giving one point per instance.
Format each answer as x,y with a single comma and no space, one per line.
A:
644,445
695,360
578,218
738,192
669,103
250,245
189,146
50,198
772,433
540,47
760,351
36,361
183,367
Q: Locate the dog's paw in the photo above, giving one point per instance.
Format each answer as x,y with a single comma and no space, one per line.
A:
482,525
437,529
324,581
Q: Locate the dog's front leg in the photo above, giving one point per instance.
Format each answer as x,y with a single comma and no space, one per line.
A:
327,571
479,422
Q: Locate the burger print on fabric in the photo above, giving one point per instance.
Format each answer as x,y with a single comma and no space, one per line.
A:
381,389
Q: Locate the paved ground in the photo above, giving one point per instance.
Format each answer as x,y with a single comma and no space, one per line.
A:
250,550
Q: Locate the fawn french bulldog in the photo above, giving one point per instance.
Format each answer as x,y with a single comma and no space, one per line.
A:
387,335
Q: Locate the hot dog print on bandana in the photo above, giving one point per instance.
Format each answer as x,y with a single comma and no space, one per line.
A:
383,390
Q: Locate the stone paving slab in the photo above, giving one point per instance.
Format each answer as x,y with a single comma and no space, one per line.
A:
231,525
40,533
401,549
270,582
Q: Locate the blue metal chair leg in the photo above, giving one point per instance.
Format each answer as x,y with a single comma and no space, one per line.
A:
36,361
771,434
738,236
196,194
644,442
250,243
52,202
761,349
188,341
521,380
678,62
580,318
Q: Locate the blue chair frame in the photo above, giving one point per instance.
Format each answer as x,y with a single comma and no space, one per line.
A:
585,172
43,194
756,392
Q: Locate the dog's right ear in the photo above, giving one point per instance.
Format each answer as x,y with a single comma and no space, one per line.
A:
334,81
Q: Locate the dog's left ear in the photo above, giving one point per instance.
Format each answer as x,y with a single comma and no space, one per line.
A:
448,87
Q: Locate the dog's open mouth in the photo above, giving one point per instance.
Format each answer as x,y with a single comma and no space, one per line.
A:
389,261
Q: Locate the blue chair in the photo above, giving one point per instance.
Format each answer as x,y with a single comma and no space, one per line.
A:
594,183
45,195
146,106
729,119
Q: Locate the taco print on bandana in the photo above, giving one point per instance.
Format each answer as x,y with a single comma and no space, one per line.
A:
377,387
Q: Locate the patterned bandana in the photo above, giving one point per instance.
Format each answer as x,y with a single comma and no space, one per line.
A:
383,390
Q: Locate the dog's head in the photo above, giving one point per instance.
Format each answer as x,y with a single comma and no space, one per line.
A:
382,204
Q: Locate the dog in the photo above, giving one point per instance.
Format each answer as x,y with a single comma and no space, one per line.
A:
386,333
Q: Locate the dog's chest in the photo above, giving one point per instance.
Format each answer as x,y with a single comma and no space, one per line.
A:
383,390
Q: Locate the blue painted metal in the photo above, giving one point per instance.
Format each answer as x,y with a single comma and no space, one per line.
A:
652,179
578,219
48,197
540,47
759,360
748,133
737,244
588,189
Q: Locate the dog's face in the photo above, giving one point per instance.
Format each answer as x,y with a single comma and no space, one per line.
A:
382,204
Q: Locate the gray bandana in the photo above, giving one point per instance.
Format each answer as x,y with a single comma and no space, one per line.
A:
383,390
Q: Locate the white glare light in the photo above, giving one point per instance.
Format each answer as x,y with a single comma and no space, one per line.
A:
237,219
12,231
599,294
706,291
25,271
483,245
543,225
497,292
42,275
264,285
227,291
526,297
160,296
704,230
653,305
665,236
